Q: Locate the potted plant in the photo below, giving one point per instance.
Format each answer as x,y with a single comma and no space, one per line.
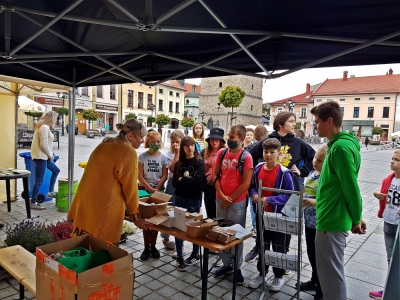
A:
131,116
127,229
187,122
162,120
61,230
90,115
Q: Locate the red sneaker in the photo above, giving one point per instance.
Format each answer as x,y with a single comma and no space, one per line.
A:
376,294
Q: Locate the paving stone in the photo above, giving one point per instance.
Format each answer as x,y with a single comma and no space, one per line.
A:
141,292
156,273
167,279
365,273
143,279
180,296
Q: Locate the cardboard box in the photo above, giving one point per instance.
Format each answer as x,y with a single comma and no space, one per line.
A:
290,262
113,280
165,219
196,229
180,220
273,259
290,225
273,221
154,205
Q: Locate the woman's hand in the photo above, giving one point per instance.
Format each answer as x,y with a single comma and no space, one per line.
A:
141,223
295,170
307,202
51,158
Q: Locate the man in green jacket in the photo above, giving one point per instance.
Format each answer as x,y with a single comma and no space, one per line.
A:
339,202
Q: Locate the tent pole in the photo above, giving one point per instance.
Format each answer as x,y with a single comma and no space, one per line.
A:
71,138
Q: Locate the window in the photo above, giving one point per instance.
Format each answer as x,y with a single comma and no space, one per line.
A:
112,92
171,106
356,112
371,98
386,98
187,101
149,99
370,112
319,100
177,107
160,105
160,91
140,100
303,112
342,110
100,92
251,107
220,85
279,110
342,99
329,99
252,86
130,98
177,94
171,93
386,112
356,99
85,91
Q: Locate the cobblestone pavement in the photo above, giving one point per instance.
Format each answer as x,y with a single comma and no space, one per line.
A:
365,256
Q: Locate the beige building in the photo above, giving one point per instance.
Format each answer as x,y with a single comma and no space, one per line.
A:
170,101
365,102
139,99
248,113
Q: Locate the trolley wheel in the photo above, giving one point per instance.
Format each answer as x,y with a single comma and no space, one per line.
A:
40,198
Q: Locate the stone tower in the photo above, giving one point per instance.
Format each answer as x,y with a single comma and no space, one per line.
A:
248,113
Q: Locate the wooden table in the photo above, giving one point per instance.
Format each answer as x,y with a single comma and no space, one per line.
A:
21,264
208,245
9,174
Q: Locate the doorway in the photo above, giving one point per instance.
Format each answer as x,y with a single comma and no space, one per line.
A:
111,121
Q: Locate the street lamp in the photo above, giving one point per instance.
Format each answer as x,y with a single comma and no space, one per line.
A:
186,114
290,106
152,107
63,96
202,115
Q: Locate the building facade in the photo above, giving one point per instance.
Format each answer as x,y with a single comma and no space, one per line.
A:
248,113
170,101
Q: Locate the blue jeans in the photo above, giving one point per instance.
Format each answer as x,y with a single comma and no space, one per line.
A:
192,206
389,232
41,166
252,213
235,212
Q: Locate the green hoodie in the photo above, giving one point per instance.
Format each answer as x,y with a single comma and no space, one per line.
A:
339,202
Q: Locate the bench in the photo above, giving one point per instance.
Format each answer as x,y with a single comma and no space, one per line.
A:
21,264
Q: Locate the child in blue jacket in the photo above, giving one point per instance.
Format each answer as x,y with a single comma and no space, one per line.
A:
273,175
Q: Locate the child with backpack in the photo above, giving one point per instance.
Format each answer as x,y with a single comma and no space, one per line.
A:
198,136
152,174
233,170
188,174
273,175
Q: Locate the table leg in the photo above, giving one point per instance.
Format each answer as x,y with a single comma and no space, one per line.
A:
235,268
26,196
8,195
201,263
204,275
21,291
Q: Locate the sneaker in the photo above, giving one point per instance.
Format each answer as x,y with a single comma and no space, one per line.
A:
180,264
51,195
175,255
276,284
154,252
256,282
145,254
307,286
225,270
376,294
252,255
192,260
37,206
217,261
287,272
239,278
170,245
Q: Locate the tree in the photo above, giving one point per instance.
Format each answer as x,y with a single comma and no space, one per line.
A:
33,114
150,120
266,108
90,115
187,122
62,111
131,116
231,96
377,130
204,124
162,120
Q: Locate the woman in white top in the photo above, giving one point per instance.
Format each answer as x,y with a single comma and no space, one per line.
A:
42,155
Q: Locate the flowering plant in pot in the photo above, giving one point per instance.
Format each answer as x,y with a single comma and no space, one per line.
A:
61,230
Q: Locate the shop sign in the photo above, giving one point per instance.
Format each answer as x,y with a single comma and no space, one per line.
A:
49,101
106,107
82,104
143,115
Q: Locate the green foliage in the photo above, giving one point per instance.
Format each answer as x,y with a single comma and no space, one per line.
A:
151,119
298,126
62,111
162,120
204,124
231,96
266,108
90,114
187,122
131,116
34,114
377,130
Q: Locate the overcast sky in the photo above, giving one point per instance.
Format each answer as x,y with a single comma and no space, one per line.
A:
295,83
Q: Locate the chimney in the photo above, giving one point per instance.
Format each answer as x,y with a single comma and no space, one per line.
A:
345,75
308,88
390,71
194,87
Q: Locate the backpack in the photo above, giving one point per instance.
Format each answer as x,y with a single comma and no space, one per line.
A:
241,159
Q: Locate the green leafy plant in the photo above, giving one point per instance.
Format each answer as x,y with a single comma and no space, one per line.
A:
204,124
187,122
34,114
150,120
62,111
61,230
231,96
131,116
162,120
297,126
90,114
128,228
377,130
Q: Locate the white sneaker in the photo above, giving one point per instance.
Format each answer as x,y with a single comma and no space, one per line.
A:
175,254
51,195
37,206
256,282
276,284
217,262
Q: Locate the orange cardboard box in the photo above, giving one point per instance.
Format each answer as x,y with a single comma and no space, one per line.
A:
199,228
113,280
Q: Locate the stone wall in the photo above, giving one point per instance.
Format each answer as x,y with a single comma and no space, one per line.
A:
248,113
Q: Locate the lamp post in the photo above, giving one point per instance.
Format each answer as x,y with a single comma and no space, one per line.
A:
152,107
291,105
202,115
63,96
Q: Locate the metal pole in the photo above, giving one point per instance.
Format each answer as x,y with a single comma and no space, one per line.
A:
260,231
71,138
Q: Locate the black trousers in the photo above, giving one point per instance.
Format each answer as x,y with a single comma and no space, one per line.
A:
209,201
310,242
